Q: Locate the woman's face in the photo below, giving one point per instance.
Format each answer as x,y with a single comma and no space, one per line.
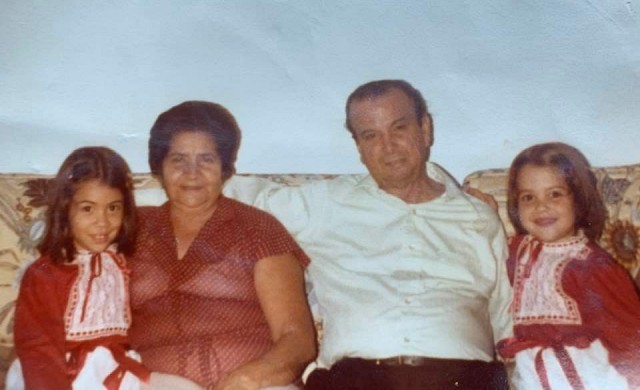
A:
192,171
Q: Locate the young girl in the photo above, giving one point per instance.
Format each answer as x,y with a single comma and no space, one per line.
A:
576,311
72,313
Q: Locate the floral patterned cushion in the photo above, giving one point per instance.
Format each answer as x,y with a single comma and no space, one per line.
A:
22,198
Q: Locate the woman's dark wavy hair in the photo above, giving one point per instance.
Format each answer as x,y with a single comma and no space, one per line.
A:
590,210
83,165
193,116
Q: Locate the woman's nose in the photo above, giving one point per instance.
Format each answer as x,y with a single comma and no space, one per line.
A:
190,167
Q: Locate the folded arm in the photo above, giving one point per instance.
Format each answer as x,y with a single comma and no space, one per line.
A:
279,284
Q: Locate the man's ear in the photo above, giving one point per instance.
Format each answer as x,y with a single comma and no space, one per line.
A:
427,128
359,150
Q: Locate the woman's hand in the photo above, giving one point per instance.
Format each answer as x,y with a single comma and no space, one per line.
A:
279,282
162,381
243,378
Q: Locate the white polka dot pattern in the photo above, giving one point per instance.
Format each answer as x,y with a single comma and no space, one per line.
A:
199,316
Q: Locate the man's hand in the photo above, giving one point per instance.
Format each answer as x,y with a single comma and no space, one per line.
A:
486,198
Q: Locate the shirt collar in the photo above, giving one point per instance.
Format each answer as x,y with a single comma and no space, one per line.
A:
113,247
434,171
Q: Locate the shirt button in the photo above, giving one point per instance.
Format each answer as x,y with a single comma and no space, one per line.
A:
480,225
406,340
407,301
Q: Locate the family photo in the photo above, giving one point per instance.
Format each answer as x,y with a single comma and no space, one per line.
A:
282,195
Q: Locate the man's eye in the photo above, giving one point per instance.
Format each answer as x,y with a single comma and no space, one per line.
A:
368,136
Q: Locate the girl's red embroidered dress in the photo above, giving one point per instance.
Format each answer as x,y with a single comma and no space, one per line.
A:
576,317
72,322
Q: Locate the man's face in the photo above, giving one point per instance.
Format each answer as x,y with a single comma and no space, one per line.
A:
392,143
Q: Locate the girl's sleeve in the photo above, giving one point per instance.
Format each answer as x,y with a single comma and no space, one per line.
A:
39,330
513,243
612,300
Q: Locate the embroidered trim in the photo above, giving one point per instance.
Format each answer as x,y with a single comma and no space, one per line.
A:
539,296
103,297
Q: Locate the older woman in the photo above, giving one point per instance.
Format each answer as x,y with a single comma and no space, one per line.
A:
217,287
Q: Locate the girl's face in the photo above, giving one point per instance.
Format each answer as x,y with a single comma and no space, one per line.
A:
545,203
95,215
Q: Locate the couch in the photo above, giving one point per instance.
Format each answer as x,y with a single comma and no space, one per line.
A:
22,197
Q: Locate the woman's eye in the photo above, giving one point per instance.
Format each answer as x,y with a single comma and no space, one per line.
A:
177,159
208,159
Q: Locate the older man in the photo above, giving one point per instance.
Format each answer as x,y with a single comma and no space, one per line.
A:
408,272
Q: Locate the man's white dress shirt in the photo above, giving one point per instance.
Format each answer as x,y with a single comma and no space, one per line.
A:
389,278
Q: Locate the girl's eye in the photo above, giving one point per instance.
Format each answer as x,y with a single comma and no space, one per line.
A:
115,207
558,194
86,209
526,198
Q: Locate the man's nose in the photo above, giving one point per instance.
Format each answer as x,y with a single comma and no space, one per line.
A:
388,143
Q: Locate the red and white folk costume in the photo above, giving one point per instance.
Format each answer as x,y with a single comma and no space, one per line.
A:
71,324
576,317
